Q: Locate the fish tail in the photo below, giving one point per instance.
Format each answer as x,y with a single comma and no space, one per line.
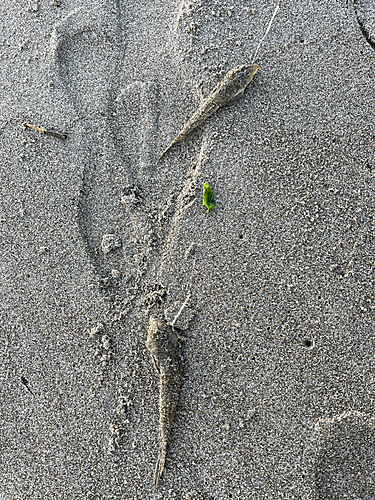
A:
160,464
163,153
180,136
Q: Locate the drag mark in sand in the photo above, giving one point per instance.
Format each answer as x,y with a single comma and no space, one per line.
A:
162,343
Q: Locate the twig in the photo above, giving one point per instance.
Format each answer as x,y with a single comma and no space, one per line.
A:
180,311
266,33
47,132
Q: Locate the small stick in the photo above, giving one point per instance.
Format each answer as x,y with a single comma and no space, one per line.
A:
26,384
266,33
47,132
180,311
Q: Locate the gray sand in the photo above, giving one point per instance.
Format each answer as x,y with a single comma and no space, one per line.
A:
277,355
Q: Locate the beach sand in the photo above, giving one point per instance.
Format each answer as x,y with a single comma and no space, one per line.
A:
277,336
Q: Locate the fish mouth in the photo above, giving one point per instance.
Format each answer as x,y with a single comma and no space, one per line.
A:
252,73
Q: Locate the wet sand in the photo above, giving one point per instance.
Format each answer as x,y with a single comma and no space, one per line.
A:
276,339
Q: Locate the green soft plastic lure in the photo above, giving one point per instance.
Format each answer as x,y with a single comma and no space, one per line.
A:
207,197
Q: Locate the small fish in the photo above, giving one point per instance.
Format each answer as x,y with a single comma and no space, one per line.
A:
229,90
162,343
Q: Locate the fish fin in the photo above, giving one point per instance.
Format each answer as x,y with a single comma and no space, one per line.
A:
237,97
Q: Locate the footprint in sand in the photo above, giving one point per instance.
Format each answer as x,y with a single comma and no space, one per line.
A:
86,49
137,116
343,457
365,12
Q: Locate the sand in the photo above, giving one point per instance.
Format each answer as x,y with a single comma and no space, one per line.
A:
277,336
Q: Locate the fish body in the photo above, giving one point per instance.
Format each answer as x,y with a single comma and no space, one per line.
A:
163,346
230,89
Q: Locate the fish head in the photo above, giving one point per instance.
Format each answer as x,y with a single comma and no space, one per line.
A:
243,75
237,80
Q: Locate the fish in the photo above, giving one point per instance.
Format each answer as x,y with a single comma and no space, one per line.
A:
229,90
162,342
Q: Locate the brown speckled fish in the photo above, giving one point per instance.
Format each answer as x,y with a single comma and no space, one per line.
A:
163,346
230,89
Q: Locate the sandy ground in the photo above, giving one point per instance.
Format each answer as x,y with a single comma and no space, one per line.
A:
277,339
